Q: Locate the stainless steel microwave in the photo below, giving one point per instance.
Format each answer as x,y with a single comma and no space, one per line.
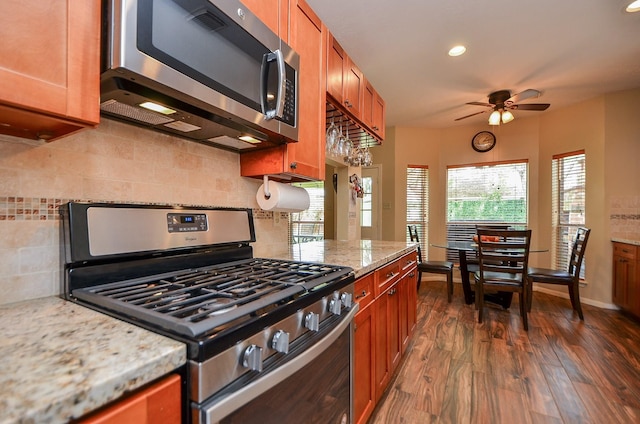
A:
207,70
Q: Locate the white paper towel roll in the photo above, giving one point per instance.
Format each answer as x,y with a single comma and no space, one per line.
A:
284,198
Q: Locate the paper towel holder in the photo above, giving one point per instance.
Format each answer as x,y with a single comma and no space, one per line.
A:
267,193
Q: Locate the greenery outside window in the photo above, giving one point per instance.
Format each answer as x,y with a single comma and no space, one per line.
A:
308,225
568,203
485,194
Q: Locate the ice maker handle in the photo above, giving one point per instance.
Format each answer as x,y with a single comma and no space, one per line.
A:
278,112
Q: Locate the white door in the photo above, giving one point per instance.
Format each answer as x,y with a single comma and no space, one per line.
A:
370,228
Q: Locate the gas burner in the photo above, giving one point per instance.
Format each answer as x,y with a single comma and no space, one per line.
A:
217,306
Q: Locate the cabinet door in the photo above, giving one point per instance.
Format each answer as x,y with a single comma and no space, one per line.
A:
336,64
303,160
157,404
620,281
379,116
353,89
393,321
368,97
49,67
272,13
382,365
364,385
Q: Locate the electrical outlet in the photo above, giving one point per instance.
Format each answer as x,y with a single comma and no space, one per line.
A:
276,217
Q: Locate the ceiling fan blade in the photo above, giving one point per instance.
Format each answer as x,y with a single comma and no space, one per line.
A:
526,94
480,104
468,116
531,106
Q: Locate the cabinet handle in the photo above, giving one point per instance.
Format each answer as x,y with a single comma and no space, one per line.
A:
392,292
391,274
348,103
293,165
413,274
376,128
361,295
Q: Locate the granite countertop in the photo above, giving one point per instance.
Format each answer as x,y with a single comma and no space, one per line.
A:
361,255
619,240
61,360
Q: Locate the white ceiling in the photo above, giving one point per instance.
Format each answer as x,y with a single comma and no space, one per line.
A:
571,50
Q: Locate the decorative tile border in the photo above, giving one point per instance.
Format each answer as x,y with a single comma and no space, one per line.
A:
625,217
14,208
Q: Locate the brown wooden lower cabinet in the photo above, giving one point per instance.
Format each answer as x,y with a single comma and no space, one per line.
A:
159,403
626,277
383,328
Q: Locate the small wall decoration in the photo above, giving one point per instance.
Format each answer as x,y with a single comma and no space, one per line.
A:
356,187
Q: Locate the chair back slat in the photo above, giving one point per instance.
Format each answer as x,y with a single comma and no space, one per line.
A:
504,251
577,251
413,235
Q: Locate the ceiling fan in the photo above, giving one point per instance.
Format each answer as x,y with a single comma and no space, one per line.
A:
501,103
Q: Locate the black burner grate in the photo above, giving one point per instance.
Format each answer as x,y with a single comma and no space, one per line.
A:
197,301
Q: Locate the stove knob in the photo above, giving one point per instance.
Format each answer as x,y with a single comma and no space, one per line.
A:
280,341
335,306
252,358
347,299
312,321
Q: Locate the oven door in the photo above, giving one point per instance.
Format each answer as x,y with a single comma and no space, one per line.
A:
315,386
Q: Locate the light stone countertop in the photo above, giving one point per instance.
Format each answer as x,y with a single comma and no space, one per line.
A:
60,360
361,255
619,240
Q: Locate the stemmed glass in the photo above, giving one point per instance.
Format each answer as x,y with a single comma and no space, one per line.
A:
332,137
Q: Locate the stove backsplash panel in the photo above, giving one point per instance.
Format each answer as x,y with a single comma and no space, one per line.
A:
114,163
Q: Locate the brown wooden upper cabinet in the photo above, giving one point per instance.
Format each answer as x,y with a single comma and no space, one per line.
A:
304,160
273,13
49,67
373,110
349,89
345,82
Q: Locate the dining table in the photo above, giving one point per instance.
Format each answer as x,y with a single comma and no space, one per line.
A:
464,248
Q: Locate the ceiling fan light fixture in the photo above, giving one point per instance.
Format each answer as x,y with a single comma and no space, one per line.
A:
634,6
507,116
494,118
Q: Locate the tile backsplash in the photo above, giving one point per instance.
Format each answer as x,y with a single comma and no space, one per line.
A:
113,163
625,217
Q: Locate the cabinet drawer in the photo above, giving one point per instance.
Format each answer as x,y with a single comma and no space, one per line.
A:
408,261
363,290
386,276
628,251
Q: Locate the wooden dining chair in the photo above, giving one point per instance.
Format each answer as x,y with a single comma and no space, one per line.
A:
569,277
433,267
503,257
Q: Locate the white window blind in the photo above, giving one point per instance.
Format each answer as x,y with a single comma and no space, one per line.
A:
568,191
308,225
418,203
485,194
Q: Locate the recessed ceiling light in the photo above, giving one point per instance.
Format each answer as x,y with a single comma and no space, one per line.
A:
458,50
633,6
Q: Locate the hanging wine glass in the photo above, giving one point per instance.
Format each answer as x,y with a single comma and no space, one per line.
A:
332,136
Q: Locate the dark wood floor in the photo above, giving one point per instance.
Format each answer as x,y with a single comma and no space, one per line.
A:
561,371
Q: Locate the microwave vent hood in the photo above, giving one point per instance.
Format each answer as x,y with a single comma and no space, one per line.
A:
221,76
120,99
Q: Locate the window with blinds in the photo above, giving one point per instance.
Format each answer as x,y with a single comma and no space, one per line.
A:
492,194
568,203
308,225
418,204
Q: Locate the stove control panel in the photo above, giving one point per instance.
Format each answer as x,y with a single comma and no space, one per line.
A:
186,222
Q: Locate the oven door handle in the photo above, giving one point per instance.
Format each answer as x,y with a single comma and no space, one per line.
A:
225,406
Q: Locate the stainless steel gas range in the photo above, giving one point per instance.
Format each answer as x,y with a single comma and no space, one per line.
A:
267,340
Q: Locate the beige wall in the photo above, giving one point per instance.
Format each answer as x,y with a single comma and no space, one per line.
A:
607,129
118,163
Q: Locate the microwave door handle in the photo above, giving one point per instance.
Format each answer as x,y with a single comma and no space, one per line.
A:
282,81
